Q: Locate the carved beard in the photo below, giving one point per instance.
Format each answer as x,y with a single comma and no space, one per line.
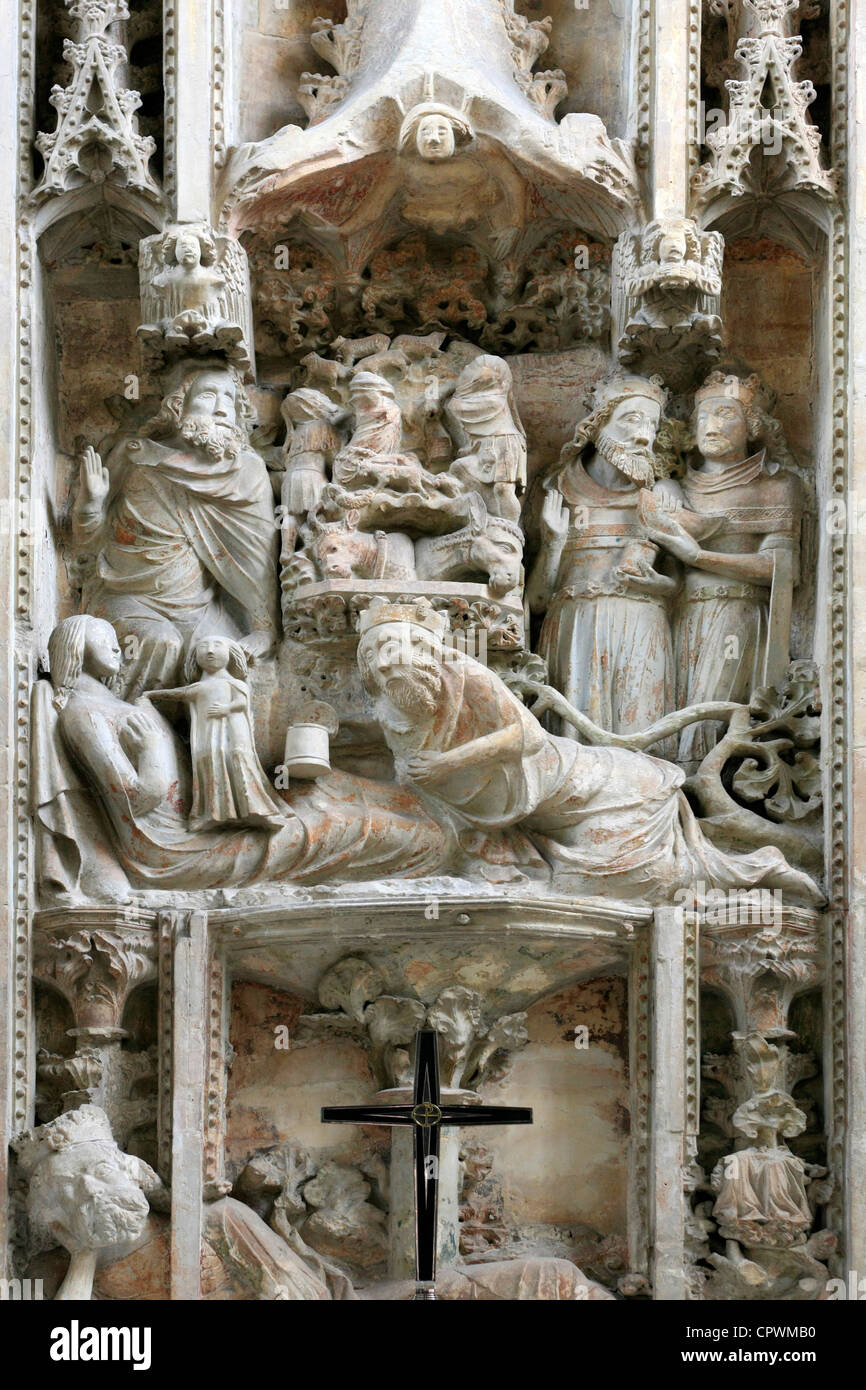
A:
416,690
635,463
216,440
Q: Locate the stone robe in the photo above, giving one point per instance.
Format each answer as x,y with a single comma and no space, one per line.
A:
607,646
187,547
762,507
339,828
614,820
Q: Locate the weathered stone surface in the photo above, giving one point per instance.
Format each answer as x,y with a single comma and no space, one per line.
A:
434,574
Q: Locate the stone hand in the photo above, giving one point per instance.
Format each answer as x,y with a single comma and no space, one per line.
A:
427,767
638,572
258,644
682,546
139,731
665,498
554,517
95,480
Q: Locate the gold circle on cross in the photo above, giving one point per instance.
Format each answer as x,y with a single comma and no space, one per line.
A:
426,1114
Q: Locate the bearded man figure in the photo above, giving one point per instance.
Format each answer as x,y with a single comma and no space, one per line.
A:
180,528
601,818
606,635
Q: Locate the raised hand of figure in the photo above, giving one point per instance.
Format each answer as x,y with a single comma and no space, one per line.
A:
554,517
95,480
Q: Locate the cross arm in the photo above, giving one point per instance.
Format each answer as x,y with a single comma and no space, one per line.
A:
367,1115
464,1115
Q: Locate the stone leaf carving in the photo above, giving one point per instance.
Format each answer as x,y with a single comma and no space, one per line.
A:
340,45
773,747
96,139
469,1044
547,297
195,295
97,968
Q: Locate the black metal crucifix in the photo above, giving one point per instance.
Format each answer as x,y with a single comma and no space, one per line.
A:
428,1117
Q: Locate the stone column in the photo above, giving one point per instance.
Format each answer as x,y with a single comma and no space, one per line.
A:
669,1104
192,153
401,1203
672,121
855,1242
9,377
189,1067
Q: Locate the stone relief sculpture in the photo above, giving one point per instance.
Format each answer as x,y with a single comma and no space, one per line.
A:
179,523
460,737
195,294
436,641
228,784
733,627
667,297
95,1201
606,634
137,772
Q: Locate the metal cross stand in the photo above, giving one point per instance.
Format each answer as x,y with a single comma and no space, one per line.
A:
428,1116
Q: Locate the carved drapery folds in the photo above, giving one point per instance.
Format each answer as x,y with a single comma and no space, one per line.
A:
96,961
449,547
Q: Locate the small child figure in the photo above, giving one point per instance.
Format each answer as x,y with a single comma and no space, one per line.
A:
229,785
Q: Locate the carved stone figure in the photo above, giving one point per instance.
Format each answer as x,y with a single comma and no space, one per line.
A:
734,620
195,294
137,773
762,1203
606,633
84,1192
439,118
493,461
311,444
95,1200
228,784
667,297
604,816
180,525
